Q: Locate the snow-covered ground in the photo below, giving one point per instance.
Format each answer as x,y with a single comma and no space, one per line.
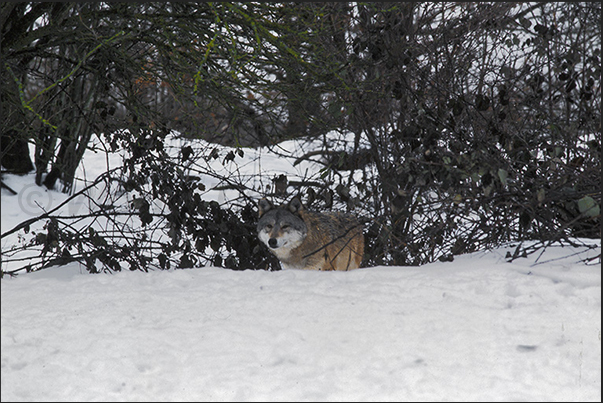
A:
475,329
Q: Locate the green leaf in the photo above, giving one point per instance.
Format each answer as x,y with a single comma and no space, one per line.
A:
541,195
588,206
502,175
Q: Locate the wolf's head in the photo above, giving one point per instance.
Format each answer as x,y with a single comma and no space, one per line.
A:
281,228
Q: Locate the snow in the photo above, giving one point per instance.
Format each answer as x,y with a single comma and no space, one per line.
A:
479,328
474,329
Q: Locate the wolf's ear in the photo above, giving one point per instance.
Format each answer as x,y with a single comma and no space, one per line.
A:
295,205
264,205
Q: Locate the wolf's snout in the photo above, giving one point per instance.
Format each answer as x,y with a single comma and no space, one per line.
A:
272,242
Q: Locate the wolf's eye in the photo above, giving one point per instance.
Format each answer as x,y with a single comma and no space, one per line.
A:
285,226
269,226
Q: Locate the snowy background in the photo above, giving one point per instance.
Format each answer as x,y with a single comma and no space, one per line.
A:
478,328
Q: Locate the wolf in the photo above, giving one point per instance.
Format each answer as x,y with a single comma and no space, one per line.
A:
303,239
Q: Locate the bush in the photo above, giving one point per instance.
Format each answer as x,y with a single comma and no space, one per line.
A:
473,124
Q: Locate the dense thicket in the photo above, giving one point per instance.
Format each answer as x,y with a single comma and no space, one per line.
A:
475,123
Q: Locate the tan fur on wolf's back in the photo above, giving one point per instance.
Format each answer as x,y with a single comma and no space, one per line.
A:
303,239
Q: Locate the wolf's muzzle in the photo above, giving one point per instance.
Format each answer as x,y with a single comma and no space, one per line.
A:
272,242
